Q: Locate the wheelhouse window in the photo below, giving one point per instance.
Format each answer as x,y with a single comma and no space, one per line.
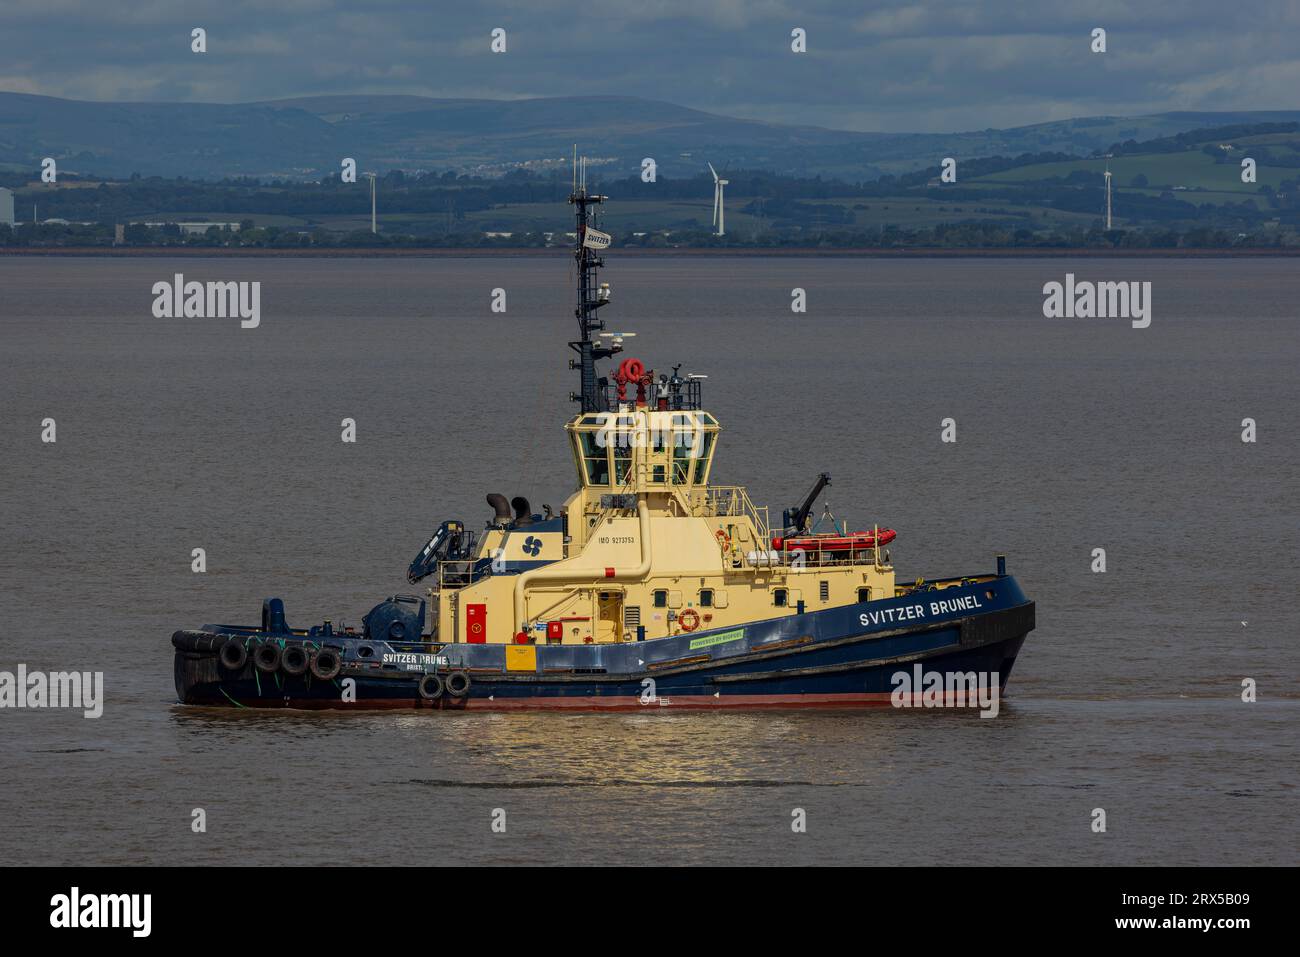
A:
595,458
702,463
622,464
682,462
624,438
659,439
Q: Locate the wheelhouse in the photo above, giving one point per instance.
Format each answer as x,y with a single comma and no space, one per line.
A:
645,449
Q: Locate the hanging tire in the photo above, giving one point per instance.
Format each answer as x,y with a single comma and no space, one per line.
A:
294,660
431,687
457,684
233,655
326,664
267,657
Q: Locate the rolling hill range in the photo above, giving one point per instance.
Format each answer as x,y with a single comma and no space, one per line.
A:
1204,171
306,138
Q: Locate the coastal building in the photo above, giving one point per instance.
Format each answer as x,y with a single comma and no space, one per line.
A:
198,229
6,207
195,229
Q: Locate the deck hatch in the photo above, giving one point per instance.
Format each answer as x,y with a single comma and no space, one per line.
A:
521,658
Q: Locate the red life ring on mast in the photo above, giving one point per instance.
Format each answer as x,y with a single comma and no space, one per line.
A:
689,619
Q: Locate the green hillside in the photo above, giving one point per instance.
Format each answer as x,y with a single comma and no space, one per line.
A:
304,139
1179,190
1190,169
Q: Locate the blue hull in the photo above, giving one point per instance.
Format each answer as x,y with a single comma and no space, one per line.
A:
850,656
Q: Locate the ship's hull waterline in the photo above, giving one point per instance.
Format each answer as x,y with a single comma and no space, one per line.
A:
846,657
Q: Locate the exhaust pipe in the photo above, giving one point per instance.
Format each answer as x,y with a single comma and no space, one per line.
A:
523,512
501,507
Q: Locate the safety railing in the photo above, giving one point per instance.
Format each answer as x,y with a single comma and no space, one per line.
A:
725,501
684,397
458,574
807,556
811,551
732,501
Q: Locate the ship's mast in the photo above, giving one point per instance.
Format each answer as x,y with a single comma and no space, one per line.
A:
590,295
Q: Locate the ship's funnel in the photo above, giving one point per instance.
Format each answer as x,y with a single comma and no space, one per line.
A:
523,512
501,507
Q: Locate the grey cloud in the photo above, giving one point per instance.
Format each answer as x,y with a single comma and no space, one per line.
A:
926,66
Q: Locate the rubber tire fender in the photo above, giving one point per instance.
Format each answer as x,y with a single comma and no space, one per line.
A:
266,657
294,660
457,684
431,687
326,664
233,655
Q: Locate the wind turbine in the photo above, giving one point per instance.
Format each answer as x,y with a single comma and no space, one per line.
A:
719,211
371,177
1108,197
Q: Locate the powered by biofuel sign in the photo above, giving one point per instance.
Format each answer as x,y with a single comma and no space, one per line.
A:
721,638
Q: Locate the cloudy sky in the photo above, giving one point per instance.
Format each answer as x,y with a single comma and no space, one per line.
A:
929,66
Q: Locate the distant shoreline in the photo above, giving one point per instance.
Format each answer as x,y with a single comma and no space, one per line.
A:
474,252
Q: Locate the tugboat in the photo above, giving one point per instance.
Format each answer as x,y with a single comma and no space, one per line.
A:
650,587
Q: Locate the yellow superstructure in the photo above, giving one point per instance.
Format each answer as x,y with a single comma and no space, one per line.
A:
645,548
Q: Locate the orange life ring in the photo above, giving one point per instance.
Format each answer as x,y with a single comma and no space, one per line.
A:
689,619
723,537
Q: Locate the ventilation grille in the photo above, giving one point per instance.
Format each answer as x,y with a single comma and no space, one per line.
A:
825,591
631,616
